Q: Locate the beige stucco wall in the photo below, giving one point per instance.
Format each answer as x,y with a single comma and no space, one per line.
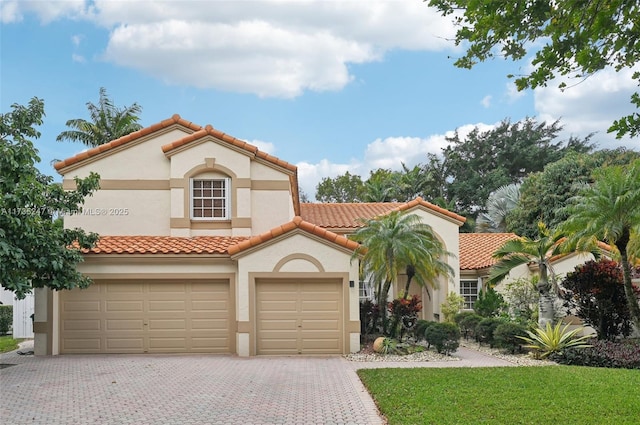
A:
300,255
270,208
124,212
184,160
140,159
144,192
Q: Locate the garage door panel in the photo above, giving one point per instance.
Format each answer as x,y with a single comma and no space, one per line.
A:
278,325
124,325
320,306
125,345
168,305
321,345
82,306
81,325
139,317
120,306
299,317
211,305
278,305
83,345
315,324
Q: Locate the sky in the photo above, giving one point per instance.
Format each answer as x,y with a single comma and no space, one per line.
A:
329,86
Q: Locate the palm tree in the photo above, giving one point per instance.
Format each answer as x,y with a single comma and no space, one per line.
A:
395,242
500,203
609,210
524,251
107,123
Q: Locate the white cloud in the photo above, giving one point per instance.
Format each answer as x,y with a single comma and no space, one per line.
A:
266,147
513,93
46,11
486,101
77,39
590,106
269,48
78,58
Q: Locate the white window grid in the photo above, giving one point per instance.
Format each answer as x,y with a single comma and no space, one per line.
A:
469,291
210,199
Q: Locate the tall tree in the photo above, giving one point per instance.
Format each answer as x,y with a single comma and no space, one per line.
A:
609,210
35,250
341,189
107,122
544,194
483,161
571,38
381,186
398,242
539,251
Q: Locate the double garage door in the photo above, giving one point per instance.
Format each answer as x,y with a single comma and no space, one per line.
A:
299,317
177,316
154,316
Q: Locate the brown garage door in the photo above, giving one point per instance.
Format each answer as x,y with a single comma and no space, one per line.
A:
299,317
157,316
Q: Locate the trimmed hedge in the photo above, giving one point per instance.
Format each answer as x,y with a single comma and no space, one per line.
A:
486,328
506,336
624,355
445,337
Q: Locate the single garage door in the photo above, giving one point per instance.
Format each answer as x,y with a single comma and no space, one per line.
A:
299,317
146,316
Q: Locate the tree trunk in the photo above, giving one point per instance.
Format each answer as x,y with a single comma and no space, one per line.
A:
382,305
546,312
632,301
411,271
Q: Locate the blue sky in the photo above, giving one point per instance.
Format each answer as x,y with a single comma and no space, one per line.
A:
330,86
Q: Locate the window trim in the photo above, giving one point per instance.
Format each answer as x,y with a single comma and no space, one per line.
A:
226,198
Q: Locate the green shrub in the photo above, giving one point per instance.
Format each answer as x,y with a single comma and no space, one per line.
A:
451,306
461,316
554,340
489,303
508,336
469,324
485,329
445,337
623,354
421,327
6,318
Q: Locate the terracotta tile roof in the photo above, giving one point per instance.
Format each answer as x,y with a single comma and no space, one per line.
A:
210,131
164,245
296,223
476,249
345,216
175,119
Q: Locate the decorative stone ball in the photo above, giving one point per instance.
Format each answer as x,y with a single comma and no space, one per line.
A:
378,344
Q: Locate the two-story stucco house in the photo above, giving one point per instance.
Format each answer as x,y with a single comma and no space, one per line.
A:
205,248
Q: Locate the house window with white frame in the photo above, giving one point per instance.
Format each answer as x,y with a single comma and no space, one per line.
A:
366,290
469,291
210,198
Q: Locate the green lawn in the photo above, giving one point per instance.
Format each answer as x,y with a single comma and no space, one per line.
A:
7,343
511,395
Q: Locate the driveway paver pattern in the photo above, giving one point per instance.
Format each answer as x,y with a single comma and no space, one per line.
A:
193,389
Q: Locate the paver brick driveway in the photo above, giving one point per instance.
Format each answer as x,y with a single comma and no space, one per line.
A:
181,389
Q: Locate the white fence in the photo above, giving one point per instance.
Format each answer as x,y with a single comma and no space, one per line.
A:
22,322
